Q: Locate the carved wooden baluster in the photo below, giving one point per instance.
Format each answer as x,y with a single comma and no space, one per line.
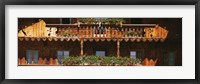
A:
52,32
129,30
156,31
146,32
80,32
141,32
33,30
126,32
91,32
100,31
116,33
86,31
96,31
77,31
122,32
97,28
104,32
112,32
72,31
66,30
37,27
159,32
108,32
60,32
137,31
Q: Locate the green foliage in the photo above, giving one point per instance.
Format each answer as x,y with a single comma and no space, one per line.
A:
102,20
100,61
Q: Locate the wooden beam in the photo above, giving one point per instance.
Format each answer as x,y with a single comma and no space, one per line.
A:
81,43
118,48
129,25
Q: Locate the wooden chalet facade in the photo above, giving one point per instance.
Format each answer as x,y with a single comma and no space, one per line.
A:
42,44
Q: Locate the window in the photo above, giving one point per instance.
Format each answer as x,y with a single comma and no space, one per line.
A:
169,58
32,56
133,54
100,53
62,54
136,54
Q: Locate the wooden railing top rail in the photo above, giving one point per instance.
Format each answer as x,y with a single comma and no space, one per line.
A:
123,25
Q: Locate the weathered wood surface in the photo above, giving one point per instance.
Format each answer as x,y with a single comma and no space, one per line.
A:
39,29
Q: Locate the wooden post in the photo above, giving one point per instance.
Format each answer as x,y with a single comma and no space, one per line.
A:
118,47
81,47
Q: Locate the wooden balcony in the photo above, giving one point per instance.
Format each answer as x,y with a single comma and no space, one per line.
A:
133,32
93,32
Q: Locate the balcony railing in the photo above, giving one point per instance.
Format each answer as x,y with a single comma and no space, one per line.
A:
94,31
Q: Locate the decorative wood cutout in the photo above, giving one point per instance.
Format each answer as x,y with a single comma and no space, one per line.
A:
126,39
61,39
114,39
67,39
91,40
120,39
97,40
156,39
44,39
108,40
150,39
55,39
21,39
138,39
103,39
38,39
50,39
27,39
144,39
32,39
34,30
73,39
133,39
162,39
84,40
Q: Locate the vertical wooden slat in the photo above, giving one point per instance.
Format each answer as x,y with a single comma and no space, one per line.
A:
81,45
118,48
91,32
